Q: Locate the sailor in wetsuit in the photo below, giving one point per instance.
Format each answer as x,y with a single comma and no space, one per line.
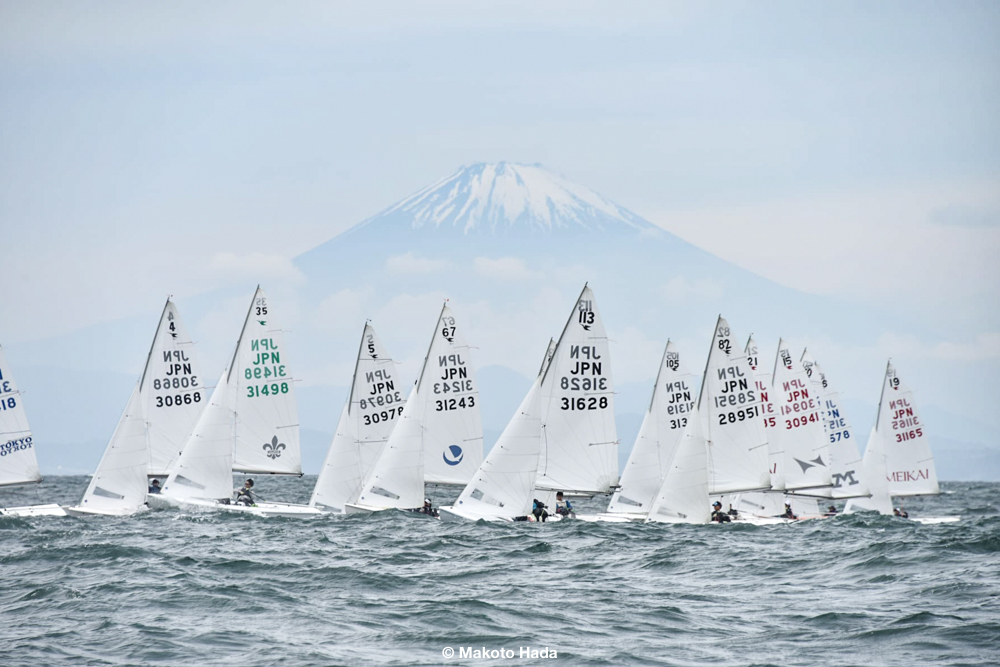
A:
245,496
428,508
563,507
538,511
788,513
900,513
718,516
154,487
831,510
732,511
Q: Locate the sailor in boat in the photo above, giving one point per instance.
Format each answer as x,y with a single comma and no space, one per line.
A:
733,512
155,486
428,508
788,513
564,507
246,496
718,516
897,511
831,510
538,510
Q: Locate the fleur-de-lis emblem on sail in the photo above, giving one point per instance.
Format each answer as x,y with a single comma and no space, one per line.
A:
273,448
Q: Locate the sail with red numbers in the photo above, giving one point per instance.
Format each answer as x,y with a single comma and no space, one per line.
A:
910,468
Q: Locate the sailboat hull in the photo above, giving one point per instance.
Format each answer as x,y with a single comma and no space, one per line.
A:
259,509
89,511
34,510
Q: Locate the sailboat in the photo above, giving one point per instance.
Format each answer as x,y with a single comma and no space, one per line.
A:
374,405
504,485
799,431
898,452
249,425
579,439
683,495
160,413
665,424
734,432
18,464
845,460
439,436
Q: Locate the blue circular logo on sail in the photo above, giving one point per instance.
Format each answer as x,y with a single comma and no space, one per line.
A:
455,457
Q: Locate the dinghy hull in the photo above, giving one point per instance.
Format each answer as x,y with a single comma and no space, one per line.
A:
33,510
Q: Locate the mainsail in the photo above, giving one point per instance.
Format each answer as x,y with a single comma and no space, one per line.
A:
119,483
18,464
579,438
806,463
762,380
204,469
373,406
171,391
909,462
845,461
663,426
440,420
267,421
737,446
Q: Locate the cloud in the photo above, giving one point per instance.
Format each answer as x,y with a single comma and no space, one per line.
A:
679,288
503,268
410,264
256,266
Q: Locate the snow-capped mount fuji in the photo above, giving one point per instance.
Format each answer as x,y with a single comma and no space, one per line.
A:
508,197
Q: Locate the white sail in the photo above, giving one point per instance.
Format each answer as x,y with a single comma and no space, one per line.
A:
452,424
171,389
909,462
579,438
119,484
845,460
373,406
663,426
737,446
18,464
267,420
799,432
762,380
503,485
768,504
874,470
440,420
683,496
204,469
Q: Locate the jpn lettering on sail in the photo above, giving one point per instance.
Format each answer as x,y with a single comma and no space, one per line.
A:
579,437
205,467
172,391
373,406
737,446
769,414
452,423
845,460
799,432
909,463
119,484
267,421
667,417
18,463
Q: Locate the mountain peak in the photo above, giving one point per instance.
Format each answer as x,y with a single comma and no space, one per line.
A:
494,198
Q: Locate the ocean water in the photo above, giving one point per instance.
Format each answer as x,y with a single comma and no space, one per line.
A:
171,587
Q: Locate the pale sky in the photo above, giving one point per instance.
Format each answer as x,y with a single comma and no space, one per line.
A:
846,149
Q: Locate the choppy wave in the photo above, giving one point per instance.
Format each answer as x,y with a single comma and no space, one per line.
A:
193,588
